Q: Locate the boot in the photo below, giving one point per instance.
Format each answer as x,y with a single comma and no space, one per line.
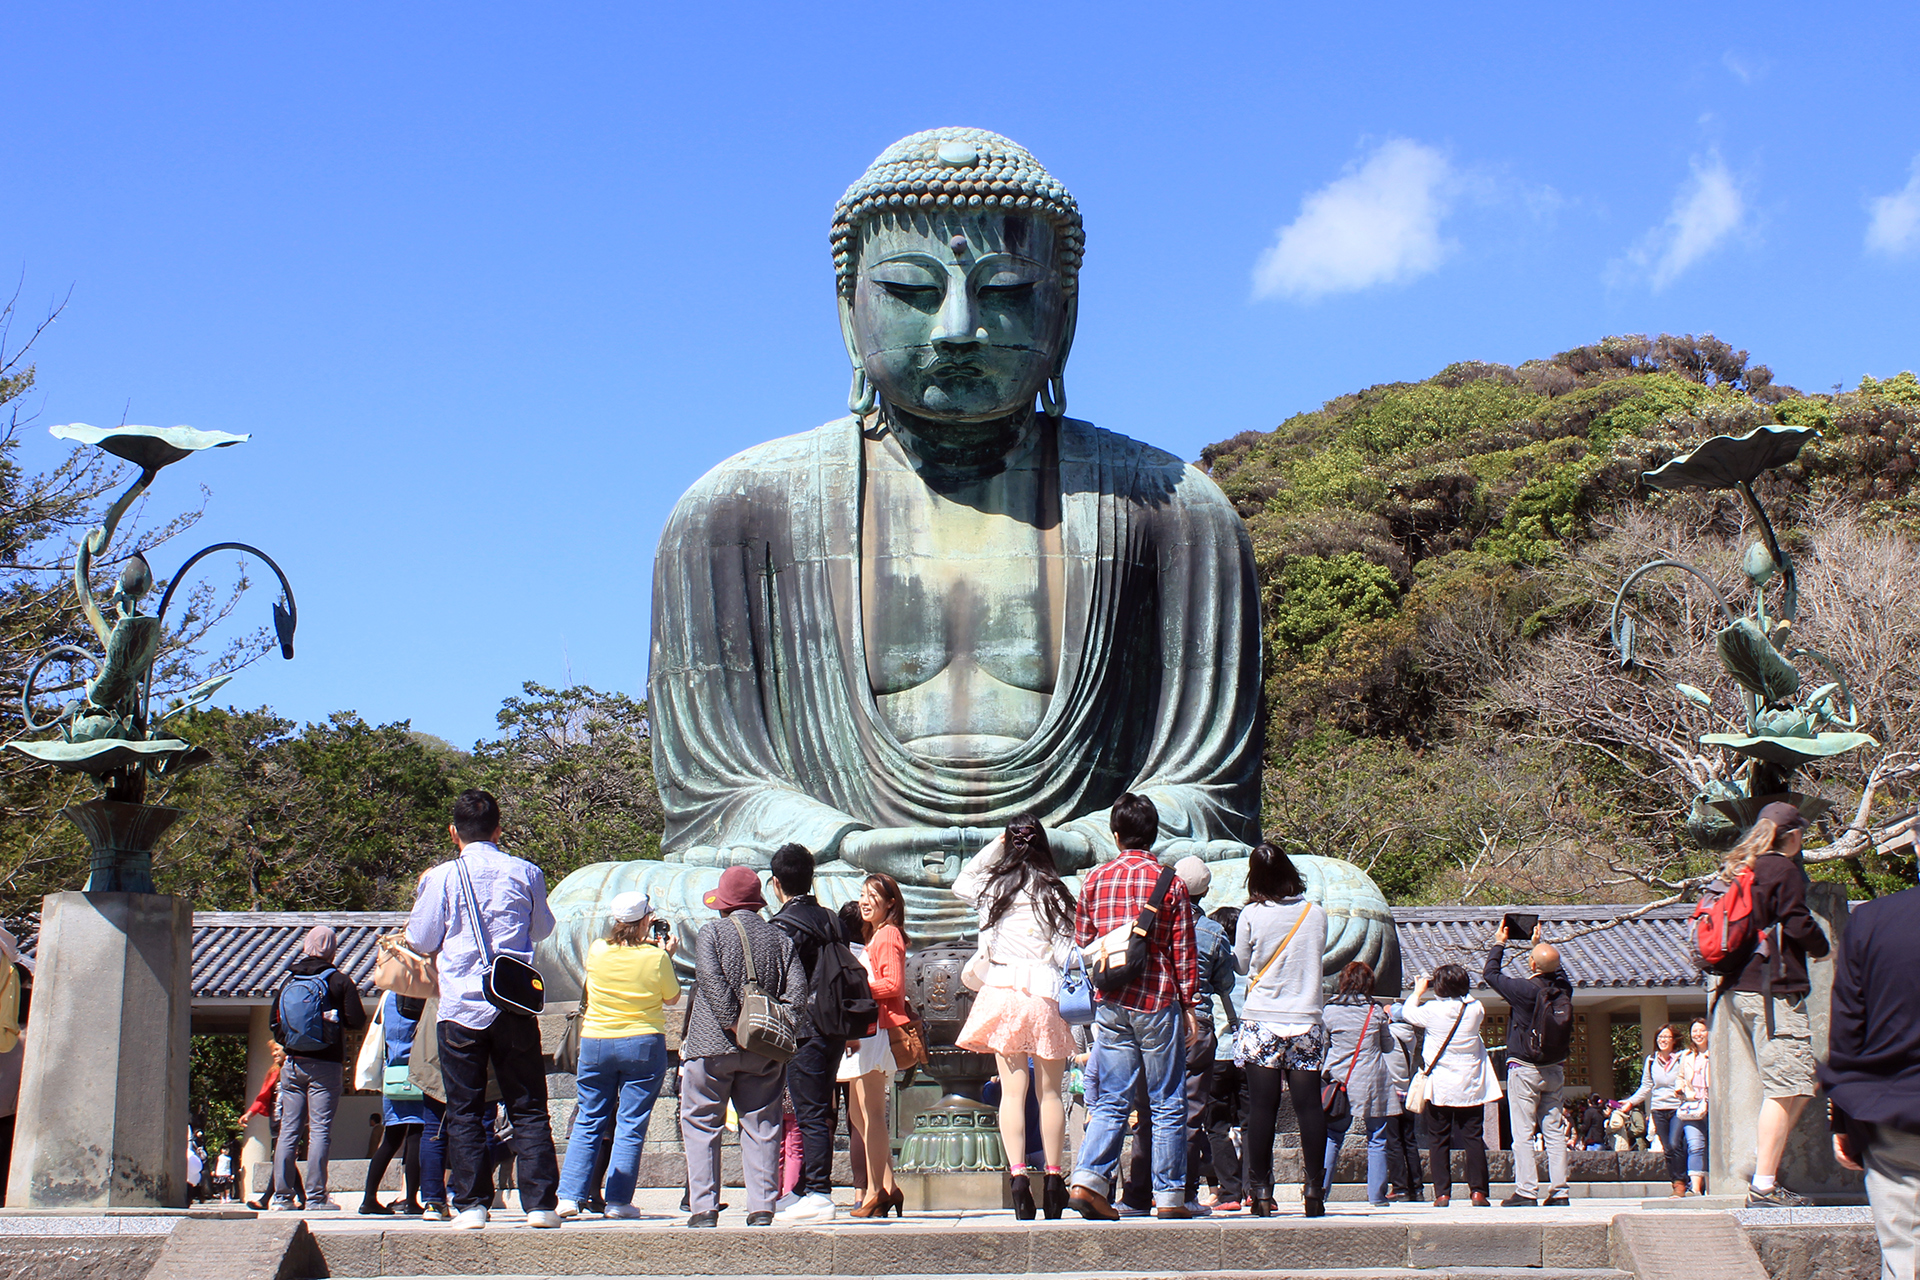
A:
1022,1197
1679,1188
1053,1195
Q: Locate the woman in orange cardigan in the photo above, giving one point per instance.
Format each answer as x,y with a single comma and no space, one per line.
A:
883,918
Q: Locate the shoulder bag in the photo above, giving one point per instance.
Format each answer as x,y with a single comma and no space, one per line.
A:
372,1058
1334,1102
765,1025
1119,955
402,970
510,984
566,1056
1420,1085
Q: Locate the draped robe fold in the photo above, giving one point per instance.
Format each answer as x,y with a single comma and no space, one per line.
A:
765,726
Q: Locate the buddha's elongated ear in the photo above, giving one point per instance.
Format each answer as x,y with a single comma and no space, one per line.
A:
861,397
1053,396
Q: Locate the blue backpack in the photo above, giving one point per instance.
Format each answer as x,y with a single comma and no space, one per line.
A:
303,1006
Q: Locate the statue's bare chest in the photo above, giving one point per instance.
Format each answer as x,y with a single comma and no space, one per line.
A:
961,602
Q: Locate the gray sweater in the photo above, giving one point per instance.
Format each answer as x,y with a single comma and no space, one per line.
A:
1290,990
720,971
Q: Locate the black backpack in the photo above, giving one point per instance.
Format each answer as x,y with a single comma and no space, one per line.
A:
842,1004
1551,1034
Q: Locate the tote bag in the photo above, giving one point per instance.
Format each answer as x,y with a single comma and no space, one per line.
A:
1420,1086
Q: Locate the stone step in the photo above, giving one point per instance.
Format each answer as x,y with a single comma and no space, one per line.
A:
976,1246
1370,1273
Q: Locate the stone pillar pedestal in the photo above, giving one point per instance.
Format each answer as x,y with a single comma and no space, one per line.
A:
1808,1165
103,1096
256,1149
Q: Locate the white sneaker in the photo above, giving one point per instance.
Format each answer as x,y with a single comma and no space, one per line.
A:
807,1209
568,1209
786,1201
543,1218
325,1204
470,1219
623,1211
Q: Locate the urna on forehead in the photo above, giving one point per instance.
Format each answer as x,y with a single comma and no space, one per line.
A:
967,171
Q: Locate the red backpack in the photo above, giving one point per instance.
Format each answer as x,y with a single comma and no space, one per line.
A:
1723,929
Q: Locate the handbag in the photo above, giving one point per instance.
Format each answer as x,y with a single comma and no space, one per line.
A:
1420,1086
402,970
373,1052
909,1043
765,1025
398,1086
1334,1102
566,1055
1076,993
510,984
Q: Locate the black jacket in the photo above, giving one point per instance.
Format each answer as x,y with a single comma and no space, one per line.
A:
340,994
1872,1071
1780,896
809,926
1522,994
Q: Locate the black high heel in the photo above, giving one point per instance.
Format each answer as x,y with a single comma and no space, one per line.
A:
1022,1197
1261,1204
1053,1195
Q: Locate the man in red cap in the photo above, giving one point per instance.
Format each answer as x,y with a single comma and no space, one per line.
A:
716,1069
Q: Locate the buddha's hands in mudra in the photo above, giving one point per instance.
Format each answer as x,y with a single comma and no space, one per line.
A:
934,855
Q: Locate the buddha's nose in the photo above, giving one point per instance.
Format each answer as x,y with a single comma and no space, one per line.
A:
958,324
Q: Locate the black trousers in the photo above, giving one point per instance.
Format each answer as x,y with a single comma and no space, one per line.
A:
1456,1129
1139,1184
1403,1153
810,1081
1263,1112
512,1045
1226,1110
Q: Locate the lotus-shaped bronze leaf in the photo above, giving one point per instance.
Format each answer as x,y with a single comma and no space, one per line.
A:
1751,659
1789,752
149,448
1726,462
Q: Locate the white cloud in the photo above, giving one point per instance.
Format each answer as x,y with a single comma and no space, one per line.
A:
1708,208
1895,224
1746,67
1379,223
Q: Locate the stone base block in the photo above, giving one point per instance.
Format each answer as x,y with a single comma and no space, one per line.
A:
102,1122
929,1191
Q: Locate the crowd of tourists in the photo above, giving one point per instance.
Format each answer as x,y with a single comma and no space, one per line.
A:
1107,998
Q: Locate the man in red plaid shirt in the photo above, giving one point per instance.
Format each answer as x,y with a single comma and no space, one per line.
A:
1141,1032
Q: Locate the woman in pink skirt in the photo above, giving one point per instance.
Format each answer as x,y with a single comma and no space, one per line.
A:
1026,930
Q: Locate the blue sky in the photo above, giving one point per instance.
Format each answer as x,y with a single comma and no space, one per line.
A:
492,285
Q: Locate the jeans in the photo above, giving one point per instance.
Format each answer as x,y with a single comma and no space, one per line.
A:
1450,1128
309,1091
433,1154
1674,1138
1199,1092
1131,1043
619,1081
1376,1127
1695,1132
511,1043
752,1084
1533,1100
810,1081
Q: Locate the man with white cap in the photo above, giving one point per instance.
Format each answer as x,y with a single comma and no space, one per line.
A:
1214,950
315,1006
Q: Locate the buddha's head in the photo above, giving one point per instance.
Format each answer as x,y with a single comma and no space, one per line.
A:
958,258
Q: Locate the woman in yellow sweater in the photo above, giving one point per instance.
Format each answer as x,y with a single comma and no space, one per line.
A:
623,1052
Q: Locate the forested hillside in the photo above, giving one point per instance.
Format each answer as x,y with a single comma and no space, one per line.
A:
1438,561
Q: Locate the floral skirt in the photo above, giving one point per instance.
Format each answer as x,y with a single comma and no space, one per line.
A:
1260,1044
1014,1023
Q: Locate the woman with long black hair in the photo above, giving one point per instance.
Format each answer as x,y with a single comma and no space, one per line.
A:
1281,1040
1026,929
